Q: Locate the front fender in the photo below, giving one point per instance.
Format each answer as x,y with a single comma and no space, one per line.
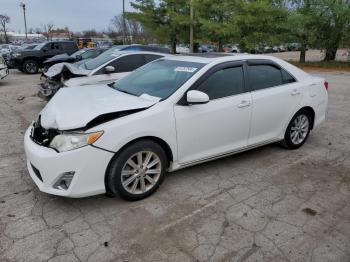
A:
151,122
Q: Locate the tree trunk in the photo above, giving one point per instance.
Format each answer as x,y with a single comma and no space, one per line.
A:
302,55
332,47
173,46
220,46
302,58
330,54
6,37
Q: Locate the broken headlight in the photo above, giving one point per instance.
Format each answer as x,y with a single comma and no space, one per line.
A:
69,141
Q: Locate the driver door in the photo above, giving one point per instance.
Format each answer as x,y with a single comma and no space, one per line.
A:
219,126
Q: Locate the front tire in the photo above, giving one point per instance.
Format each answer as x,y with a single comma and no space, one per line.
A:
137,171
298,130
30,67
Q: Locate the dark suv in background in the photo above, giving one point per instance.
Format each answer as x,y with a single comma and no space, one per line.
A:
30,61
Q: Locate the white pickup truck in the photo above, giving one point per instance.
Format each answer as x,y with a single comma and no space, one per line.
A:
4,71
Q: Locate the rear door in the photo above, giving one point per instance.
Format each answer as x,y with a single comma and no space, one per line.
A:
220,126
276,95
51,49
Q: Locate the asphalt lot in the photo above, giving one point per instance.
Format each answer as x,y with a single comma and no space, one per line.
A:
268,204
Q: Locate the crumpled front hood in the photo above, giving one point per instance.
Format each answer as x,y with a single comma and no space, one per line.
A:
61,67
60,57
75,107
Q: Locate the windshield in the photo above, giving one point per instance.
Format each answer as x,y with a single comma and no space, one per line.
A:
101,59
74,55
38,47
159,79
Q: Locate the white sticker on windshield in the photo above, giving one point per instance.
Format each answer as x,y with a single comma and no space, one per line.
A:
185,69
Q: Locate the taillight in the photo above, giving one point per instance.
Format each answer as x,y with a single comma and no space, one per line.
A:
326,85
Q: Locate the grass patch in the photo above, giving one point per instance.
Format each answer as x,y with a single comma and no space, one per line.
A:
331,65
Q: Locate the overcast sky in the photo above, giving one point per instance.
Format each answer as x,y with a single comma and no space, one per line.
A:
78,15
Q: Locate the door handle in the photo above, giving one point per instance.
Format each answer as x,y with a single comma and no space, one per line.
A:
243,103
295,92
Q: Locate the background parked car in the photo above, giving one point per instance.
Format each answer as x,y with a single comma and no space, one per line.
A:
7,52
149,48
82,54
30,61
3,68
28,46
182,49
231,49
104,69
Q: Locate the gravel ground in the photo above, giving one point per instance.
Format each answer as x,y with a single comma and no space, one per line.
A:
311,55
268,204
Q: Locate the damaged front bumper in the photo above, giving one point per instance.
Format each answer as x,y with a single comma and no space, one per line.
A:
86,167
48,88
4,72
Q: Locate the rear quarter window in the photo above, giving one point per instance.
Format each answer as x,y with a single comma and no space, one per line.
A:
286,77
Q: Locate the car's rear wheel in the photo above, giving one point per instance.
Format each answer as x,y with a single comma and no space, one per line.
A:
30,67
137,171
298,130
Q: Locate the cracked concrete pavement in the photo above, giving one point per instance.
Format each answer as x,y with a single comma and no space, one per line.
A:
268,204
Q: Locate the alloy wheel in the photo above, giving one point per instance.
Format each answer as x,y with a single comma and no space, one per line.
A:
299,129
141,172
31,68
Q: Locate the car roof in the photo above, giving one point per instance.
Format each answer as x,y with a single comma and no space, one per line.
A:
297,72
217,57
126,52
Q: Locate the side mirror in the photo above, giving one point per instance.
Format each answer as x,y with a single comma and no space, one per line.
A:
45,49
197,97
78,58
109,69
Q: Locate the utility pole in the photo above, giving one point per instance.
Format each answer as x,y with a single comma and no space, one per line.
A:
191,27
23,5
124,35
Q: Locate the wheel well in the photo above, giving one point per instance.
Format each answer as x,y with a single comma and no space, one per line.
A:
33,59
157,140
311,112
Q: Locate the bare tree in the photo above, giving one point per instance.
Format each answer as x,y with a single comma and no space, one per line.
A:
47,29
38,30
4,20
133,30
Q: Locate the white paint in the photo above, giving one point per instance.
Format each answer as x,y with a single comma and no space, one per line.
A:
194,133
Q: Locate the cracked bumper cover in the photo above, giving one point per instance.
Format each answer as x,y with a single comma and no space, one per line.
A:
4,72
49,88
88,163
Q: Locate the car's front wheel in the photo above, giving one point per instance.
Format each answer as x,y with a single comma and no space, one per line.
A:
298,130
137,171
30,67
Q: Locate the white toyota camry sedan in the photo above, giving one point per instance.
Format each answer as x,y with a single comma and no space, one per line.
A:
121,139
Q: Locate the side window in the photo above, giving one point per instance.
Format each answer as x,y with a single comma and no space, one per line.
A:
54,46
286,77
128,63
223,83
66,46
150,58
264,76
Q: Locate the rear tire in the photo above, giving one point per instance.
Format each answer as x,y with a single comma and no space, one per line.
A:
30,67
298,130
137,171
